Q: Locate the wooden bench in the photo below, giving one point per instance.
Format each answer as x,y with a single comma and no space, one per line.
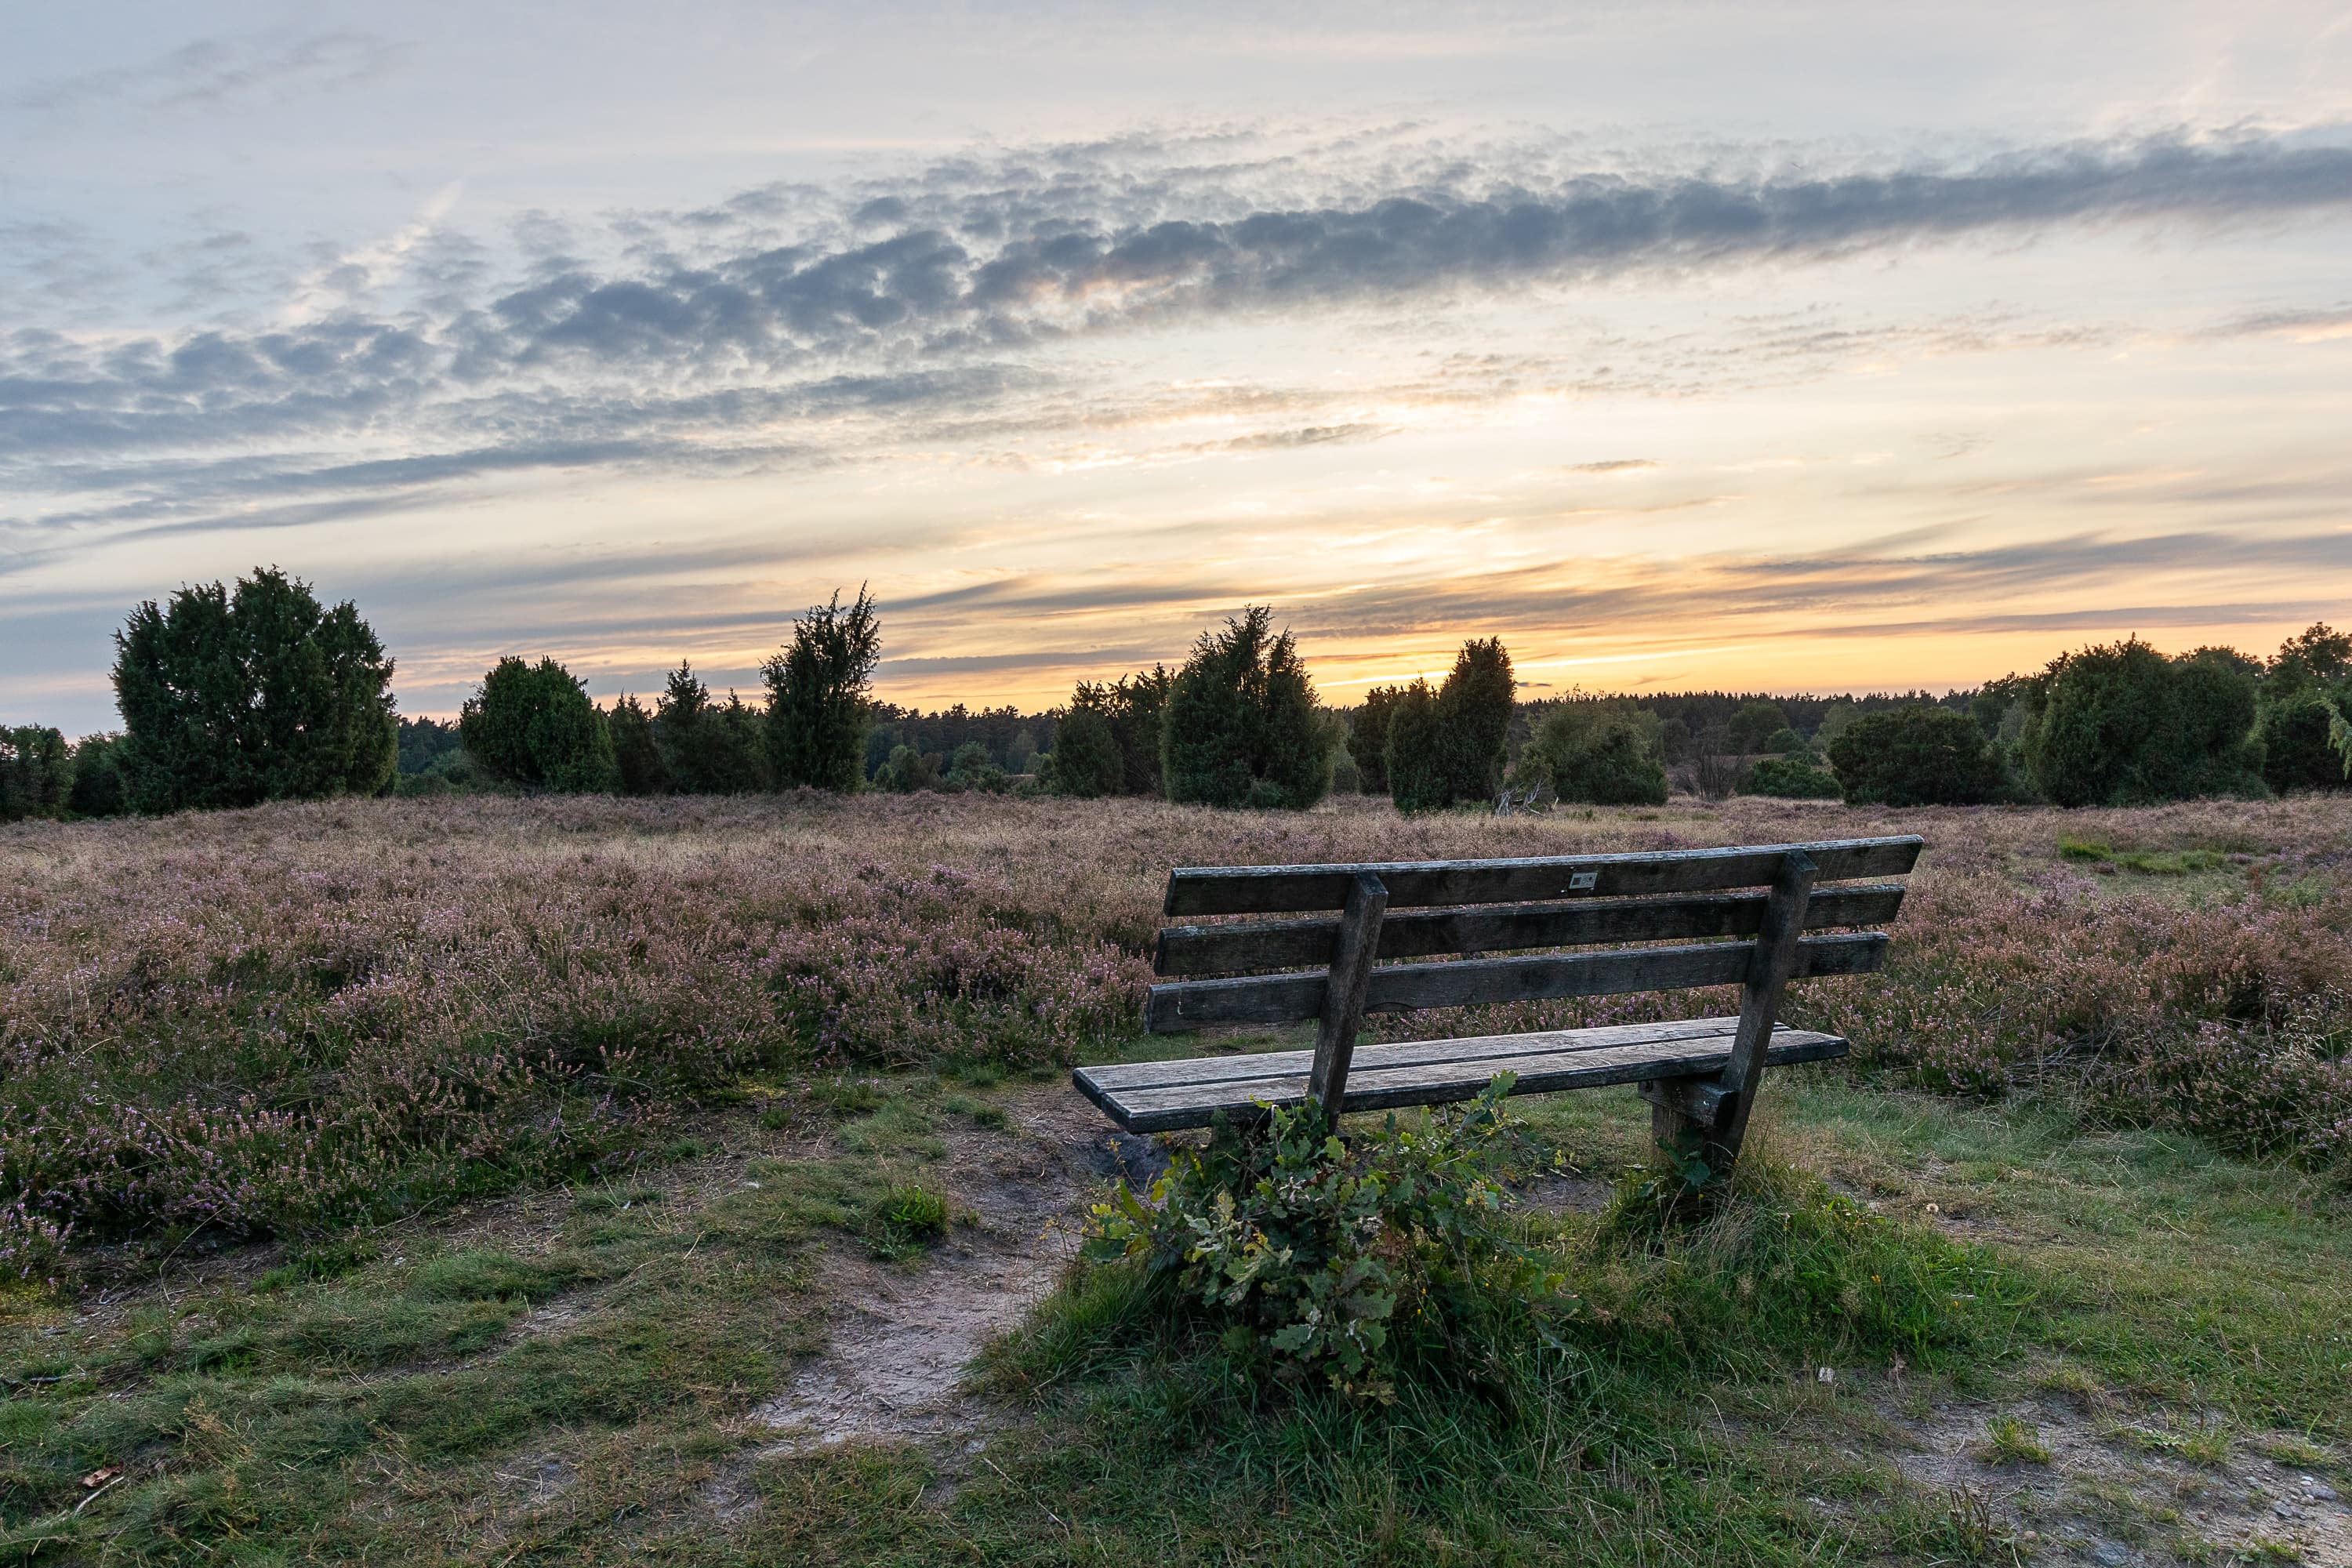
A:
1699,1074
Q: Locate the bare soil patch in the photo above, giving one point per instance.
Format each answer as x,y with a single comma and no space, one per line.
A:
2119,1489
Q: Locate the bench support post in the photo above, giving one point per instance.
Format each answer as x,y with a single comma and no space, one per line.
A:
1343,993
1759,1007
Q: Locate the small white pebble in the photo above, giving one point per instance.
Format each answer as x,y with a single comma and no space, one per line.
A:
1824,1374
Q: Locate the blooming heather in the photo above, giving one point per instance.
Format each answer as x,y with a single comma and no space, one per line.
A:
305,1014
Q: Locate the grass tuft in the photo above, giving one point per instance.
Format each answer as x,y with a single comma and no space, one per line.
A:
907,1219
2012,1440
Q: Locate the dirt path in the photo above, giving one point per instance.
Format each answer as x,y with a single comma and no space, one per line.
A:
897,1361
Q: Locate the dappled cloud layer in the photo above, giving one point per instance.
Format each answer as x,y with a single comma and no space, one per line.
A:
1063,403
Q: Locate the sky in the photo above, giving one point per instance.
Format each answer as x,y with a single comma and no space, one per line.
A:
1790,347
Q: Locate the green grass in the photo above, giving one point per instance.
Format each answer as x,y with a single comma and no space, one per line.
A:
576,1386
2150,862
2012,1440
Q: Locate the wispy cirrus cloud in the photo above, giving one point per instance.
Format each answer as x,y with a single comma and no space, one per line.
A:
211,72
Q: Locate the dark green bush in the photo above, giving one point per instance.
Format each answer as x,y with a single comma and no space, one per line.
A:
708,748
1789,778
1474,720
972,768
1454,751
820,699
1085,757
2297,732
231,698
1787,743
1599,755
1920,755
1241,727
533,725
907,771
2124,725
1368,739
636,754
37,773
99,786
1416,779
1135,705
1754,725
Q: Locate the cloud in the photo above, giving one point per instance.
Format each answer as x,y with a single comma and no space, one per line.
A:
211,72
2297,326
790,325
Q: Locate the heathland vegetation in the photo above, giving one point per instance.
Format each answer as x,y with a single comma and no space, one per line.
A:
453,1155
2100,1100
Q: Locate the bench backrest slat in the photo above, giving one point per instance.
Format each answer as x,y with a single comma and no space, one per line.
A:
1267,999
1421,933
1284,889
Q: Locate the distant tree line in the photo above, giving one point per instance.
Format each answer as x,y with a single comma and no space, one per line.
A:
232,696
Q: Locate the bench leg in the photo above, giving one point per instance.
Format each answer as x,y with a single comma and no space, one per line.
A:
1343,993
1759,1005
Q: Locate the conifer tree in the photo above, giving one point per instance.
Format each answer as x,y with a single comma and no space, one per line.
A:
1416,776
1240,727
234,697
820,699
636,755
1368,738
1473,720
532,724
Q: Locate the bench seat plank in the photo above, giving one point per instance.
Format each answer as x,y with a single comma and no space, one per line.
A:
1182,1004
1160,1097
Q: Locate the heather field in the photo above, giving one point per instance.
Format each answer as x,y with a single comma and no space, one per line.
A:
509,1181
298,1016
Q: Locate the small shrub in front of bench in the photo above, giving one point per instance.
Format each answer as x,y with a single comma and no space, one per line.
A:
1340,1262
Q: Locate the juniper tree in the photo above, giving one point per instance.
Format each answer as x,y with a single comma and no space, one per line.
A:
37,773
1920,755
1474,720
1368,738
1240,726
234,697
820,699
532,724
1455,751
636,755
2124,725
710,748
1598,753
1087,762
1416,778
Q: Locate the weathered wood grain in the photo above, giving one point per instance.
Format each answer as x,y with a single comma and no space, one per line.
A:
1124,1076
1280,889
1374,1085
1404,987
1343,990
1759,1005
1421,933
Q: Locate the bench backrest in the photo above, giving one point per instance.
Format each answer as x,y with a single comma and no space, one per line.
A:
1478,907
